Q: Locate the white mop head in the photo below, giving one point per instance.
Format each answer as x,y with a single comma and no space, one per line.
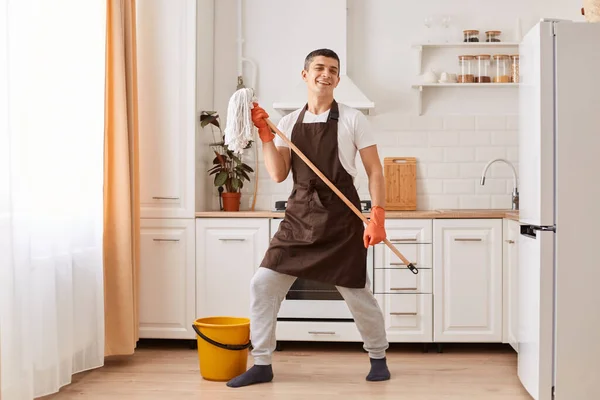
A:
240,128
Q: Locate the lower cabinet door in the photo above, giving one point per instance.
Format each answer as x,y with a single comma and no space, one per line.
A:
167,279
408,317
228,252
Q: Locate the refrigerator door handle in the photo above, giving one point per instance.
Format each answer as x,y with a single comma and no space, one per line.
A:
531,230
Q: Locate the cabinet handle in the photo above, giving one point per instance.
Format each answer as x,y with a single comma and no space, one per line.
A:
509,241
165,198
467,239
321,333
166,240
232,239
404,240
403,313
397,263
403,288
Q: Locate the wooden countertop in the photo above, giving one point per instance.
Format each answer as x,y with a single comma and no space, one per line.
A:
442,213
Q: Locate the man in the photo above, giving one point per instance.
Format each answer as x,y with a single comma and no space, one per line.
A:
320,238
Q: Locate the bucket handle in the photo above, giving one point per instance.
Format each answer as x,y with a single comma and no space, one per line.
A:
221,345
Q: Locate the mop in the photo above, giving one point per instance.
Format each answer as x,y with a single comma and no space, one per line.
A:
239,132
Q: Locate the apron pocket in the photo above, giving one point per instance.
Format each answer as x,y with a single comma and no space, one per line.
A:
318,217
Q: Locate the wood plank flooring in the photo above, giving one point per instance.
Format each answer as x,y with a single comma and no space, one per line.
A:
170,371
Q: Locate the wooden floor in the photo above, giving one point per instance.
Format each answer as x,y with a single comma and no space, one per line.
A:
170,371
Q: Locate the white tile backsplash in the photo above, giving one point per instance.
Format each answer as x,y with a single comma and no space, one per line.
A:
475,138
506,138
459,154
459,186
486,154
459,123
426,123
443,139
451,152
491,122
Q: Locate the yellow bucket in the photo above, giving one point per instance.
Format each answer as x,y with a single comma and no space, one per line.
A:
223,344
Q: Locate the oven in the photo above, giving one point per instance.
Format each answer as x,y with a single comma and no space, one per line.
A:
315,301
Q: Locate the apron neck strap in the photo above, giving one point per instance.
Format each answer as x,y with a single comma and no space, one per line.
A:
334,112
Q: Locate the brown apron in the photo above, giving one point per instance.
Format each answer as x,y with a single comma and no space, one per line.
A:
319,238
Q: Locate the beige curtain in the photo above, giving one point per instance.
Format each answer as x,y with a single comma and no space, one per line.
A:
121,181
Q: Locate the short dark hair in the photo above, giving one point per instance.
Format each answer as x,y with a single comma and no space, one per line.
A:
320,52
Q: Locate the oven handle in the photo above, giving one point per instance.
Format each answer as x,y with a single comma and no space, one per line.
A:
321,332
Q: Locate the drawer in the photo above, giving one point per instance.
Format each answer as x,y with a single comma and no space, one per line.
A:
402,280
420,254
318,331
409,230
408,317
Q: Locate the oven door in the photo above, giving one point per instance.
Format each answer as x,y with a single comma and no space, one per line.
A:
310,300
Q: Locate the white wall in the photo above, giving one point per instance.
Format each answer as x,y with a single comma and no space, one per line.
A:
460,130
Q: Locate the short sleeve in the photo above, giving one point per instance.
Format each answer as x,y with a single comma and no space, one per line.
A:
363,136
285,126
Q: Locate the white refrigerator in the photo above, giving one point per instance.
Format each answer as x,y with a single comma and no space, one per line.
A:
559,245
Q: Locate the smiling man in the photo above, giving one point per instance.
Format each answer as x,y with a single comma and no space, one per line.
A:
319,238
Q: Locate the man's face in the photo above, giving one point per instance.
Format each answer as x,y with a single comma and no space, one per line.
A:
322,75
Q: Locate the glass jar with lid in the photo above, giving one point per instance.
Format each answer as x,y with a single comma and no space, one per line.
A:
514,68
467,69
492,36
502,64
471,35
483,68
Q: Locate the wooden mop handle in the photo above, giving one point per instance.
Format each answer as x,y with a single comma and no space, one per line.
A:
337,191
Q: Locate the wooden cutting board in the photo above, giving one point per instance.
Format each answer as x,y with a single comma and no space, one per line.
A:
400,183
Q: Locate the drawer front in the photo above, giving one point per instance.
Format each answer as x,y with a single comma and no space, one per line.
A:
418,254
402,280
318,331
409,230
408,317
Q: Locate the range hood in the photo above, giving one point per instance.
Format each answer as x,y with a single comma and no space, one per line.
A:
347,92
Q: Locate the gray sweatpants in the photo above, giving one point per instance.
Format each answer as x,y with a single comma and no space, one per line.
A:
268,290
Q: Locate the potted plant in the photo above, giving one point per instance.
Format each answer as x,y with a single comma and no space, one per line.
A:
229,170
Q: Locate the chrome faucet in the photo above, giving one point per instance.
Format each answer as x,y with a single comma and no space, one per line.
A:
515,193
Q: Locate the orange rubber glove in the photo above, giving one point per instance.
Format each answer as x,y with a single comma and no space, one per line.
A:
258,118
375,231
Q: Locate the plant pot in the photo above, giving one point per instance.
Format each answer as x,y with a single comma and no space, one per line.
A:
231,201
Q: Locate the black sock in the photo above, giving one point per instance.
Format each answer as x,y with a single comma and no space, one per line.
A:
379,370
256,374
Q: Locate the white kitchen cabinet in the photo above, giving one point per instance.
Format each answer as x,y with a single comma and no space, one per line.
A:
166,50
228,252
467,280
167,295
510,249
406,298
408,317
412,237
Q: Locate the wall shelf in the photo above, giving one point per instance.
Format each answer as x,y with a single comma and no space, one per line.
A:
461,45
421,86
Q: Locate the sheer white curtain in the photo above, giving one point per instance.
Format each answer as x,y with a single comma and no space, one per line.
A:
51,177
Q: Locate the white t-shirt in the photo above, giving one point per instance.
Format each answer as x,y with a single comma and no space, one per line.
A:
354,133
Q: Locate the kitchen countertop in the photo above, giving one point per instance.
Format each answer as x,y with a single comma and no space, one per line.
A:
441,213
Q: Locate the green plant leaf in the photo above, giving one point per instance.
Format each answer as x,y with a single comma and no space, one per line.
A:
220,178
236,159
245,175
210,118
235,183
221,159
247,168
